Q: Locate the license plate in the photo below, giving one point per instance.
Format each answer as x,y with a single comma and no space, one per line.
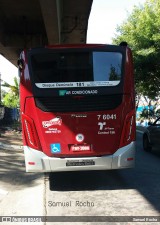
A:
77,148
80,163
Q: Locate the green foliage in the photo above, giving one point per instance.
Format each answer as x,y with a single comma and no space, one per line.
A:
11,99
142,32
145,114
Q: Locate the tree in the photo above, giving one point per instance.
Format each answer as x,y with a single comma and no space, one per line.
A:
11,99
113,74
142,32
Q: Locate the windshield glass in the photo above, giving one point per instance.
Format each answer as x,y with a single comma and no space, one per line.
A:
72,69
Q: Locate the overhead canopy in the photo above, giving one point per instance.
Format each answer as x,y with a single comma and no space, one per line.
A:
25,24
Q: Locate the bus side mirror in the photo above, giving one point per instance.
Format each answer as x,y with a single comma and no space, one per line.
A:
20,64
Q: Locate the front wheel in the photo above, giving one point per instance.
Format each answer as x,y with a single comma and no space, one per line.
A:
146,144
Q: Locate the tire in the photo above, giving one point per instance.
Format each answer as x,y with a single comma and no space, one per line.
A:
146,144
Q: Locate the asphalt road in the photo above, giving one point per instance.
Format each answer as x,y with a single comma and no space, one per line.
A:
129,192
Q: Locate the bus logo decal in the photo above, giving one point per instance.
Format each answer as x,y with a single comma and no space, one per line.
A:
56,148
52,122
101,125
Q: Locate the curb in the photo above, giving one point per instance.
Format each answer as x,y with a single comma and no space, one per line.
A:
10,147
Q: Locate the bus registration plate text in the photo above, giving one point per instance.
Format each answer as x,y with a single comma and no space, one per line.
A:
76,148
80,163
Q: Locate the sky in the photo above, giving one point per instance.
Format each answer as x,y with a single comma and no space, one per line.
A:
7,70
104,18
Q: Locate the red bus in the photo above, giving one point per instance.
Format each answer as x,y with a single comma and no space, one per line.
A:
78,107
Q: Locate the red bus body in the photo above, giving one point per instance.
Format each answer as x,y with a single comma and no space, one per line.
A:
80,123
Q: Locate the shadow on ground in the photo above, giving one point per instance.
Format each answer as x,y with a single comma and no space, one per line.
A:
12,169
145,178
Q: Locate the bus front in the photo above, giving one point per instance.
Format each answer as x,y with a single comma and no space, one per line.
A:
78,109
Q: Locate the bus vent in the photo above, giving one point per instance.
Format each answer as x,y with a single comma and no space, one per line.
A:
84,104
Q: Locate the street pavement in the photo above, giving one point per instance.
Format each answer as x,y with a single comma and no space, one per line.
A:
21,194
10,139
127,192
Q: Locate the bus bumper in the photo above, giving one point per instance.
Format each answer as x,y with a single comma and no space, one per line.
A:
37,161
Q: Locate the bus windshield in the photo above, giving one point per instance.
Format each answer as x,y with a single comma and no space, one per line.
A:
93,68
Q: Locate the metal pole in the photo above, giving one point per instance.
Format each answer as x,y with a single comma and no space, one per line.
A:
0,89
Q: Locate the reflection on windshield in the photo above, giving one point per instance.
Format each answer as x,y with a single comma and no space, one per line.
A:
107,66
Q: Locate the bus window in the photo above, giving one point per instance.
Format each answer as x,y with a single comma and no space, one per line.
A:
107,66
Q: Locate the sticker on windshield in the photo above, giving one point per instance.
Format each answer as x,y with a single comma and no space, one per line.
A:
78,84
